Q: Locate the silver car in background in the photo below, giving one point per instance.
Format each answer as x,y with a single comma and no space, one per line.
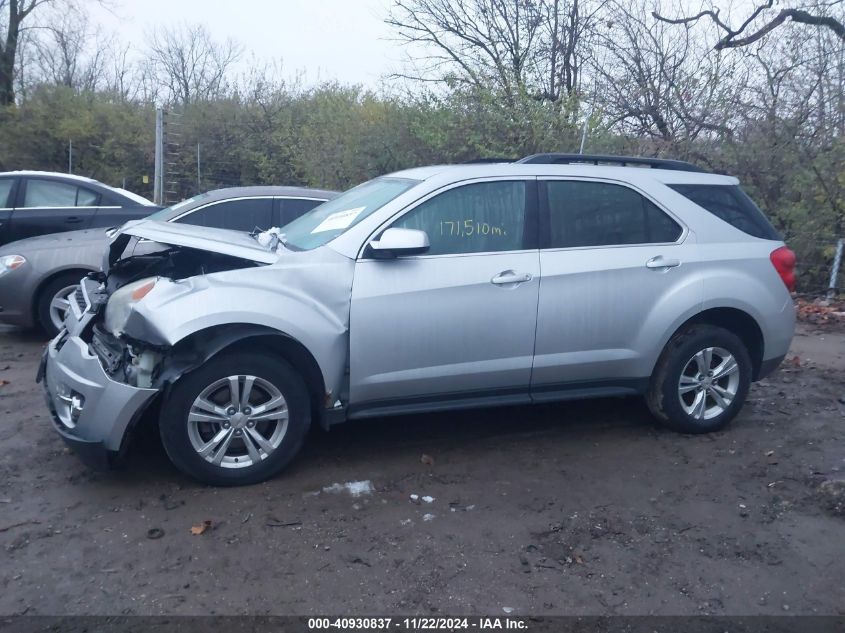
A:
38,275
433,288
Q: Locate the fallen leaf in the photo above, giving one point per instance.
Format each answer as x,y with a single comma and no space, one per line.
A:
4,382
196,530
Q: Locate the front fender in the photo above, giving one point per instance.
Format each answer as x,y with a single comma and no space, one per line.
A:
307,301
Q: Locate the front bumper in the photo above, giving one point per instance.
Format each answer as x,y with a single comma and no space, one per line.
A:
90,411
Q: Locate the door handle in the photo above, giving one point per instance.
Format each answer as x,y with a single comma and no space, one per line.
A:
660,262
74,219
510,277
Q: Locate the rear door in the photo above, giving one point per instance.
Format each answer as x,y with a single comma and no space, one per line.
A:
7,197
52,206
617,271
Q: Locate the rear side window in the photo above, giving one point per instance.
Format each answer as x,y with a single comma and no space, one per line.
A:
602,214
292,208
238,215
5,190
731,204
50,193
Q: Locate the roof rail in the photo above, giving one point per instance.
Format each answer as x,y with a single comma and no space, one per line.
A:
601,159
484,161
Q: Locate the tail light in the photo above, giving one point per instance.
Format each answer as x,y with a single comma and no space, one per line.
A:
783,260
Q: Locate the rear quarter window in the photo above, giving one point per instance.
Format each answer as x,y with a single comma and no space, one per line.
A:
731,204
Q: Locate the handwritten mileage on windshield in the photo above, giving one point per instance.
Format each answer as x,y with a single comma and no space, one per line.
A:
468,228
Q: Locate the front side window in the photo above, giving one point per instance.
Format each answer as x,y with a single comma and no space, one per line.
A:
49,193
478,218
325,222
603,214
238,215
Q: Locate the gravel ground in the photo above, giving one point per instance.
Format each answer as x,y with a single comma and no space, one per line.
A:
578,508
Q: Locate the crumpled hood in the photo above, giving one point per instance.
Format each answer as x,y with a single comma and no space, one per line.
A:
223,241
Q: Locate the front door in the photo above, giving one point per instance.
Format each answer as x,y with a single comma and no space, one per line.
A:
458,322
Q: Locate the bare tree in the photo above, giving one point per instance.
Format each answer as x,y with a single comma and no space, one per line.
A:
760,23
515,47
568,31
189,63
13,14
69,52
659,82
122,78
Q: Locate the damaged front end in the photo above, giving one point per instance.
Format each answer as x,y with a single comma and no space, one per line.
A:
115,292
99,378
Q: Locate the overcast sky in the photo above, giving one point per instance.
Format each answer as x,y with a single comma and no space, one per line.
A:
345,40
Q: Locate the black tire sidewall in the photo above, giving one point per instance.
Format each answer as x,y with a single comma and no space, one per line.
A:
45,298
173,418
676,360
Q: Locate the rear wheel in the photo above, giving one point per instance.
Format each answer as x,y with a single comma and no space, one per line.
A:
701,380
54,301
238,419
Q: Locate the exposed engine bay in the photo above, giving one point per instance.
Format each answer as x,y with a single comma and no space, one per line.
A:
157,260
123,357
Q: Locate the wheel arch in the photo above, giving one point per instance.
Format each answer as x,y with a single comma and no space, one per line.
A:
202,345
737,321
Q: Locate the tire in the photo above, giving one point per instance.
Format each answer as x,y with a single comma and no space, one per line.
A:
57,290
199,406
683,396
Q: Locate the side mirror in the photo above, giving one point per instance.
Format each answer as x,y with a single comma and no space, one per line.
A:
399,242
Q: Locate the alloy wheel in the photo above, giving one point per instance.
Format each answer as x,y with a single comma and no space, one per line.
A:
237,421
60,304
709,383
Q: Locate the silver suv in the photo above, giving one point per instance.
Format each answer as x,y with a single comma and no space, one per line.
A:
429,289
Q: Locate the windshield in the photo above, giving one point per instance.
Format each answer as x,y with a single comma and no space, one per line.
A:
168,213
325,222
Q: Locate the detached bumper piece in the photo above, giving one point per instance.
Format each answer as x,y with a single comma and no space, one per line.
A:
90,411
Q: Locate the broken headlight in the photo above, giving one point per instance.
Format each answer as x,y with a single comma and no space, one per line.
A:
122,302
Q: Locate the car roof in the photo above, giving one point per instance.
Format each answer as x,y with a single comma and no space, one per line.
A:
53,174
270,190
455,173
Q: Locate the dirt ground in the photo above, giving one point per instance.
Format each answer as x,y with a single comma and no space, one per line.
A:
577,508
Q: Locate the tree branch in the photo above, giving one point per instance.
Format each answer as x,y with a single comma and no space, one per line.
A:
732,37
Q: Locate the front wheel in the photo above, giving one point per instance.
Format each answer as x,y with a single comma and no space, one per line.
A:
239,419
701,380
